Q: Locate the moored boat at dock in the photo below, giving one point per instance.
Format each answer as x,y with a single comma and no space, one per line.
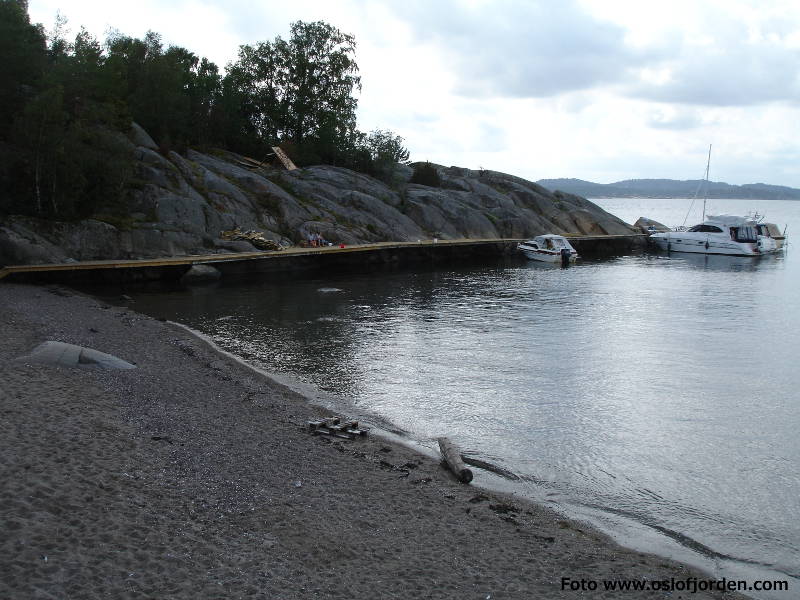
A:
549,248
722,234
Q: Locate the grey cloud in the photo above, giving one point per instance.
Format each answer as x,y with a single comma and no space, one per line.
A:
524,48
731,74
516,48
675,120
739,64
545,48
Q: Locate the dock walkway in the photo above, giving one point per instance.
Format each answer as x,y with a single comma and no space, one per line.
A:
242,263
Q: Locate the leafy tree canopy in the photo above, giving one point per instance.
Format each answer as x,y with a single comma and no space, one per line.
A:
301,90
23,55
65,105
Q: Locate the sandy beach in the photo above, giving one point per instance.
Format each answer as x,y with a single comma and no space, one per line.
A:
192,476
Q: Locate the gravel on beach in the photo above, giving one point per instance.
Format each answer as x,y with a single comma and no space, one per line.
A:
193,476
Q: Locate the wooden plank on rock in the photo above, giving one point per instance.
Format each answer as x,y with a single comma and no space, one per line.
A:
284,158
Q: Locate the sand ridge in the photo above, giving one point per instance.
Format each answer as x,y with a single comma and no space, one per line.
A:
191,476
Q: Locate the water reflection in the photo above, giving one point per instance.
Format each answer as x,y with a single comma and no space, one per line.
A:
719,262
658,386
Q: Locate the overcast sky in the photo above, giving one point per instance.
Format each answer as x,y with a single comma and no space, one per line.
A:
601,90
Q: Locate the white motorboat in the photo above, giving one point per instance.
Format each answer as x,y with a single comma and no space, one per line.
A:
723,234
549,248
771,230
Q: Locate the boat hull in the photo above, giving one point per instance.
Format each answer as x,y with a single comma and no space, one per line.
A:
545,255
680,242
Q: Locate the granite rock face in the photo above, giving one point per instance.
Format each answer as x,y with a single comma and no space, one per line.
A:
179,205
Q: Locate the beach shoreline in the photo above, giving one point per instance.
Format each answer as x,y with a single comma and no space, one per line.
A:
194,475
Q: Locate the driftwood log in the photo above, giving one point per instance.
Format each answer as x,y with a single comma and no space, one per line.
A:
452,457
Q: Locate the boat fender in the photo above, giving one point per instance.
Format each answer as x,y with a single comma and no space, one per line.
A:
706,244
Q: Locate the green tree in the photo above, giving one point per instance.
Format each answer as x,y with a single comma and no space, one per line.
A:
386,151
384,145
23,58
230,120
251,95
172,93
204,89
68,155
65,105
426,174
66,166
300,91
318,74
127,60
90,90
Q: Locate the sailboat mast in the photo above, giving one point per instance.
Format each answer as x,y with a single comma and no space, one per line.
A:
705,195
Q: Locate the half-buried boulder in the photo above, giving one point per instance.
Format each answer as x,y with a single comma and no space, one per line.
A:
69,355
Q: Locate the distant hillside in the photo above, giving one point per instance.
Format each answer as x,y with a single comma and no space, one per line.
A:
670,188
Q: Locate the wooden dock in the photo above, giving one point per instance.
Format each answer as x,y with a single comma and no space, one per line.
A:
289,259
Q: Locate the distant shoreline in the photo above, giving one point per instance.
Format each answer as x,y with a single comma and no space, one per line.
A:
689,199
671,189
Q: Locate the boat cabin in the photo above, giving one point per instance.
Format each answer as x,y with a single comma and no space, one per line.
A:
549,242
740,229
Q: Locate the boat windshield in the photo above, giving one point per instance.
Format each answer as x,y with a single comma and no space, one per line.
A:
745,233
706,228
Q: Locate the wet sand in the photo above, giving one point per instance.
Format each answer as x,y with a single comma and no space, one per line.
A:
191,476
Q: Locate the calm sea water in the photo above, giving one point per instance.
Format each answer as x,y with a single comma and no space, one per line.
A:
653,395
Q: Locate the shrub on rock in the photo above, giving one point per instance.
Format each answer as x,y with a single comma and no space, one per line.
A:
426,174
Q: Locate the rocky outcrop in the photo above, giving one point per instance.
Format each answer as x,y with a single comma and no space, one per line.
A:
648,226
179,205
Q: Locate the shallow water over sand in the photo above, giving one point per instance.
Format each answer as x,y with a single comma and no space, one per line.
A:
652,394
